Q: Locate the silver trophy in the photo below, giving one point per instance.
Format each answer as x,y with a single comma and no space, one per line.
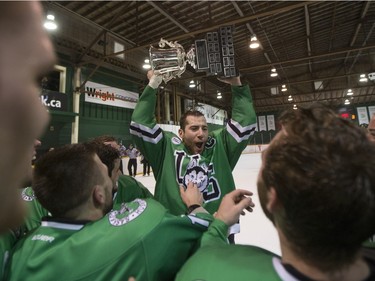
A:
171,62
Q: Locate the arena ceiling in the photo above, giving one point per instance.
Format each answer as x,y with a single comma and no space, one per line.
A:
319,48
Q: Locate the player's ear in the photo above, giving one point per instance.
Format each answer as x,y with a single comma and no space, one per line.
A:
98,195
272,200
180,133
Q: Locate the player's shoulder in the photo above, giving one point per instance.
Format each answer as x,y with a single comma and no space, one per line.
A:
126,179
237,268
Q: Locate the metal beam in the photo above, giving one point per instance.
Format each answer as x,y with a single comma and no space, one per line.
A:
216,26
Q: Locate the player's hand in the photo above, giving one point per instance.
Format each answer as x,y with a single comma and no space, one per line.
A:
191,195
234,81
155,78
233,205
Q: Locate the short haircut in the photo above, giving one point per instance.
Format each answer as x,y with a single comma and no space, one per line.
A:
323,170
64,178
104,138
183,118
106,153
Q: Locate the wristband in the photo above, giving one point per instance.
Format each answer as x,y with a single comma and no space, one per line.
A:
193,207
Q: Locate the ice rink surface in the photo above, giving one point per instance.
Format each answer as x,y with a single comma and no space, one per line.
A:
256,229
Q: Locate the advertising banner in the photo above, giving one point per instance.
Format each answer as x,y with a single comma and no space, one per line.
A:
103,94
54,100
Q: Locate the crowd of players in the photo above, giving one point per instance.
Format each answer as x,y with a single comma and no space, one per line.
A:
83,220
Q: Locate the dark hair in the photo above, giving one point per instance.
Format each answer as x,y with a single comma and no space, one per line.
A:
183,118
106,153
104,138
64,177
323,170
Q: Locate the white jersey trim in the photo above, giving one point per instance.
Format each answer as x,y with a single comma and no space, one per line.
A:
62,225
153,135
281,271
234,229
238,132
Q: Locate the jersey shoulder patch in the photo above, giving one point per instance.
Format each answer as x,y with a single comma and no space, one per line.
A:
176,140
28,194
127,212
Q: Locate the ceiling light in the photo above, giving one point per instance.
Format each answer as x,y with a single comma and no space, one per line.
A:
347,101
362,78
294,106
350,92
50,23
254,43
290,98
192,84
219,97
147,64
284,88
273,72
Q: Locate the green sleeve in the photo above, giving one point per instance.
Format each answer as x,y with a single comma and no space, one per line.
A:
147,134
241,125
216,234
130,189
7,242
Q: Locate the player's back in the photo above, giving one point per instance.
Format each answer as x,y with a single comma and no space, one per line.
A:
139,239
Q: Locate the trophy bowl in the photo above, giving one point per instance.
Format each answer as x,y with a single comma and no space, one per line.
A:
170,61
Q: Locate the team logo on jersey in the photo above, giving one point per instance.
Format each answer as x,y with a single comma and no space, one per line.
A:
127,213
28,194
176,140
201,174
210,142
197,174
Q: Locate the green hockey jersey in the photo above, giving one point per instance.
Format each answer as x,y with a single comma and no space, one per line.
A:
7,242
174,166
242,263
140,239
35,211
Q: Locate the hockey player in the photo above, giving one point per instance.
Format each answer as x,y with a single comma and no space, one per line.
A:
125,188
86,240
205,158
317,186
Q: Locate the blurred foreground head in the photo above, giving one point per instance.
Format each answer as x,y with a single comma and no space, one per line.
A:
317,185
26,53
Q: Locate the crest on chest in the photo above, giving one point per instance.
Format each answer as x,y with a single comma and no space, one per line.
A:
199,170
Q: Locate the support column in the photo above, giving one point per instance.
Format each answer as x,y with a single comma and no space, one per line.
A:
76,96
167,108
177,107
